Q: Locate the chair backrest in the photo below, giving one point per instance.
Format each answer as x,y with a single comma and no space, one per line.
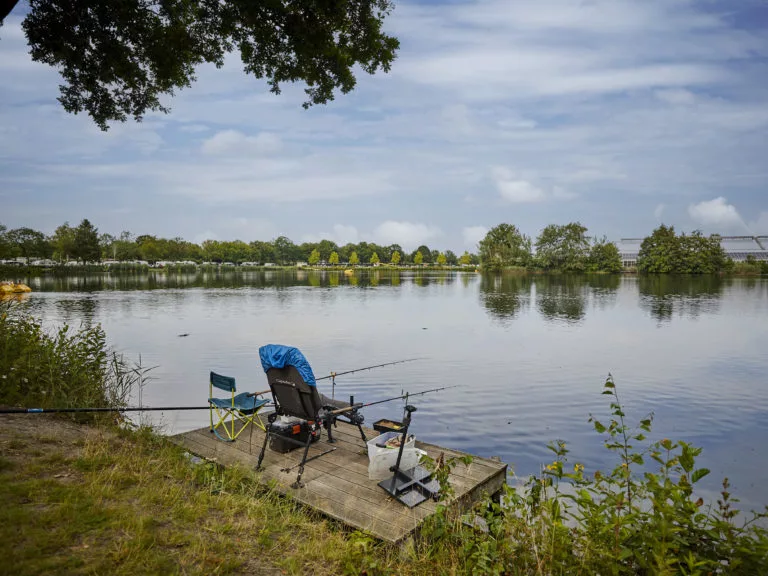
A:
223,382
292,395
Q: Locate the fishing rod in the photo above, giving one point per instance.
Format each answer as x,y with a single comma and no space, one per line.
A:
62,410
170,408
405,396
333,375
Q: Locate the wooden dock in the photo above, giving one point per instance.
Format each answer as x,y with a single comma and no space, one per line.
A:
337,483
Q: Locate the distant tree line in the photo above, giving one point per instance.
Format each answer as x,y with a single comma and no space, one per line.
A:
83,243
565,248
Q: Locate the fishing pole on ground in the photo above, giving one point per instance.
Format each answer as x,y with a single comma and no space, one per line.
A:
169,408
126,409
63,410
333,375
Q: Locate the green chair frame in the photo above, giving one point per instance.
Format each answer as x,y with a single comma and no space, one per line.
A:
243,408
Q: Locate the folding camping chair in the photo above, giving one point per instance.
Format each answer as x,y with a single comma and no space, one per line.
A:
243,408
295,394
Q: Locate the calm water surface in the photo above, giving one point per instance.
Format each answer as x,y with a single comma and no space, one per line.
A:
529,354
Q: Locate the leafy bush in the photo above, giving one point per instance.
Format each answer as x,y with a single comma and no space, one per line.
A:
626,521
65,368
665,252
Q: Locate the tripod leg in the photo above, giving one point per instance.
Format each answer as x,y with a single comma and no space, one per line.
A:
298,483
263,449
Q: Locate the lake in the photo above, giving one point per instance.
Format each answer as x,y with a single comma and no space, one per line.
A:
529,353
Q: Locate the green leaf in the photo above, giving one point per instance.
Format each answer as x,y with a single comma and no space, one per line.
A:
686,458
599,427
698,475
609,384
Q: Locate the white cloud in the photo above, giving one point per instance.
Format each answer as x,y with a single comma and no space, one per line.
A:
658,211
760,226
716,213
193,128
472,235
676,96
410,235
516,190
560,193
203,236
341,235
232,142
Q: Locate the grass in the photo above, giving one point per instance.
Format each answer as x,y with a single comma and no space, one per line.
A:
85,499
132,503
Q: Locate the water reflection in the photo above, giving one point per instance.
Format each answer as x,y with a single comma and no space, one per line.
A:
504,296
683,296
558,298
562,297
276,279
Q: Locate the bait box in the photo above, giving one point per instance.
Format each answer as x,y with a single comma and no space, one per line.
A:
387,425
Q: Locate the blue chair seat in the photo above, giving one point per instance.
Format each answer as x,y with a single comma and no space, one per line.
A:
243,403
242,408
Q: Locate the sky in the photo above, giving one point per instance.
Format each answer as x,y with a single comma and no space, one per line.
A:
619,114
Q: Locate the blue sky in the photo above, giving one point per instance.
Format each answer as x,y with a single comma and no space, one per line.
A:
617,113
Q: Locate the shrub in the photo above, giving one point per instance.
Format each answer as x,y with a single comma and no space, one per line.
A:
626,521
65,368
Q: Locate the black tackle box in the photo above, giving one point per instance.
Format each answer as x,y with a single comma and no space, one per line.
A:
298,430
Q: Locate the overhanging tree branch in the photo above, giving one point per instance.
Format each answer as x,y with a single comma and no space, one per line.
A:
6,7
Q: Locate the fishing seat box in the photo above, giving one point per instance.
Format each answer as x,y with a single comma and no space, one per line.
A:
298,430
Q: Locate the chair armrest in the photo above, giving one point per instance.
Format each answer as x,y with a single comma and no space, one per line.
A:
259,393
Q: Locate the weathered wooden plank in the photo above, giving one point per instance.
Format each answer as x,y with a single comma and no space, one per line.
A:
345,465
336,463
348,437
350,515
337,483
384,511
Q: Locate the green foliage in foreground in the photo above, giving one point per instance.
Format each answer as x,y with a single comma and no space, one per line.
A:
625,521
67,368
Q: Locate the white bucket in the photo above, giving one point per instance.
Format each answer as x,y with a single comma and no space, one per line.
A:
380,460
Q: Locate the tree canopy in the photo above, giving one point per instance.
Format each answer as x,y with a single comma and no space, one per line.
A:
504,245
562,247
604,256
87,247
664,252
118,59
